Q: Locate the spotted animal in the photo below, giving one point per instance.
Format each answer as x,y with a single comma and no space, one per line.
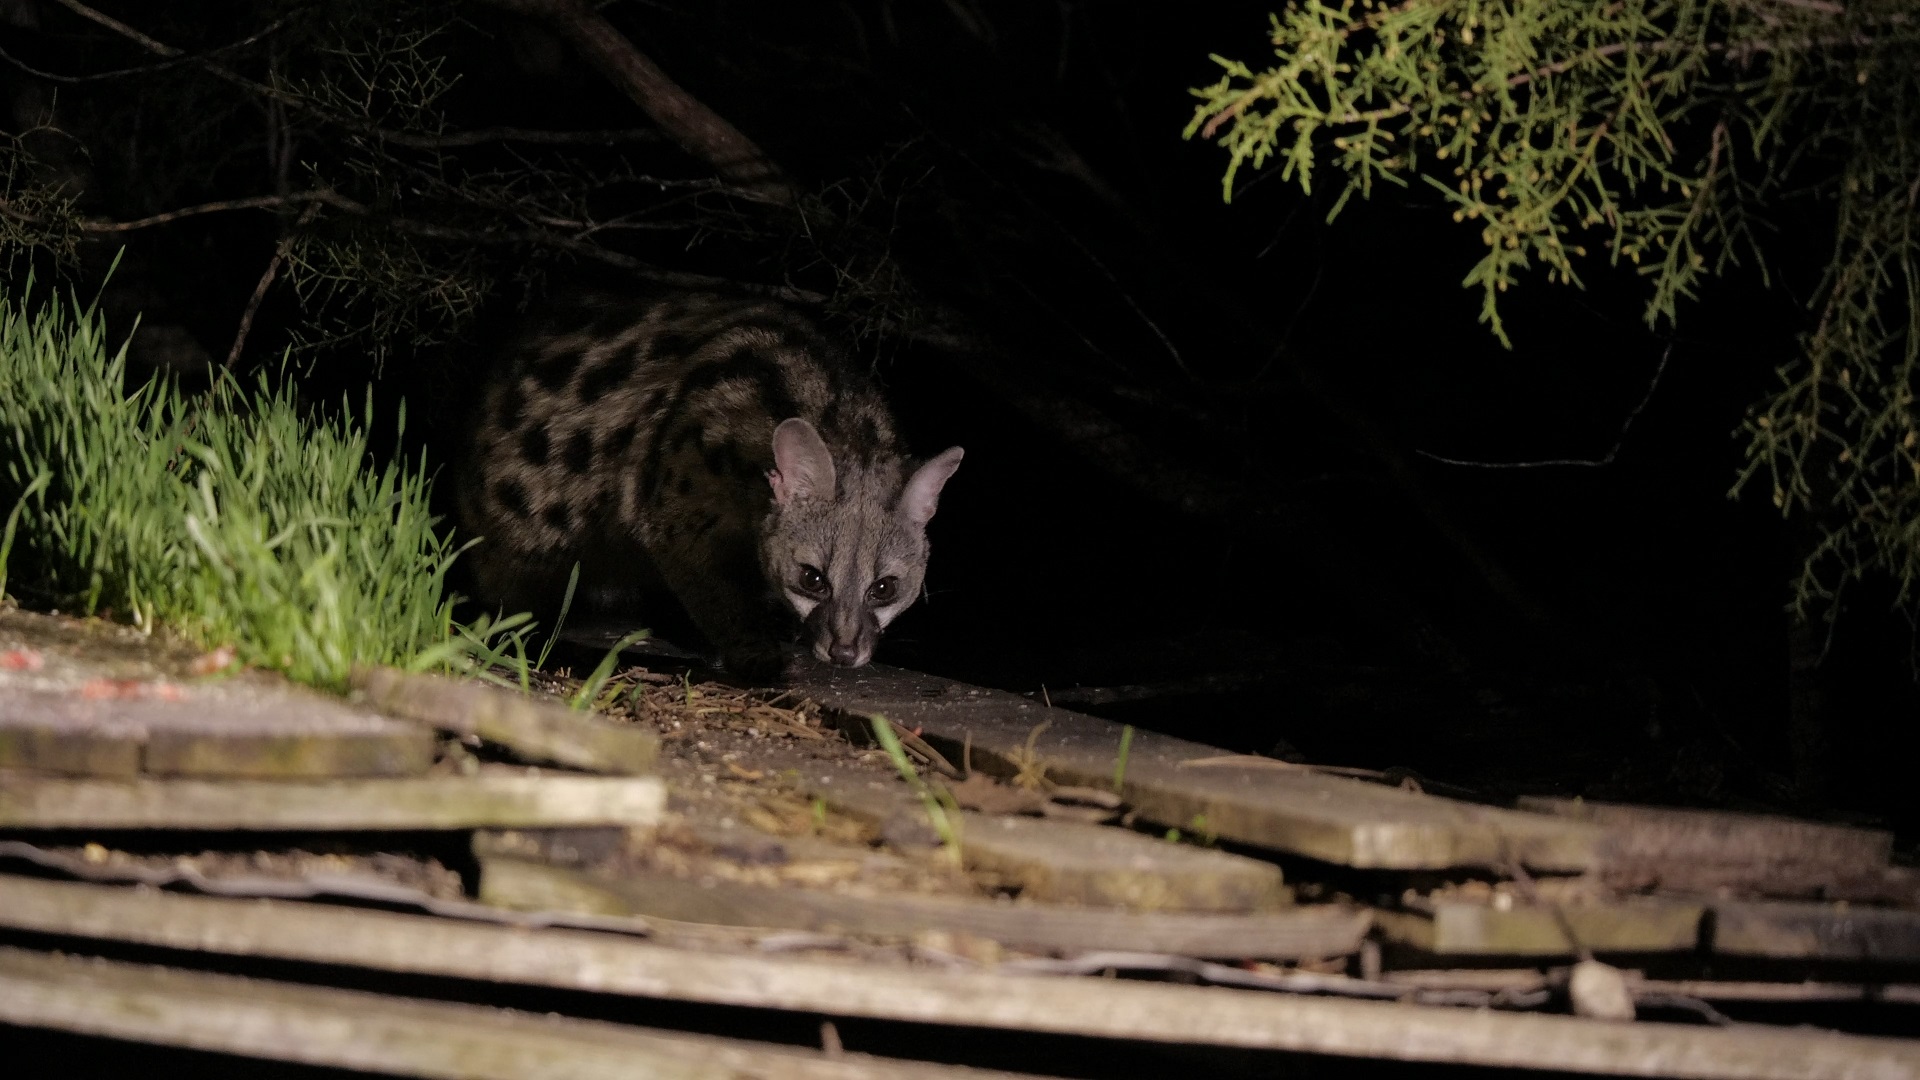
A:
722,447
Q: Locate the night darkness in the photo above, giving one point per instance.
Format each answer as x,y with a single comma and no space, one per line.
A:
1201,491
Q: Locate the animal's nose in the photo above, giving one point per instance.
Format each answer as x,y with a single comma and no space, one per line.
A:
844,655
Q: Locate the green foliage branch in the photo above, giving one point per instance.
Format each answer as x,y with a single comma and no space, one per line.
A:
1661,132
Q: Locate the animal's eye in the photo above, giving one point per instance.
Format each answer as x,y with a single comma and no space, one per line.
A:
813,581
884,590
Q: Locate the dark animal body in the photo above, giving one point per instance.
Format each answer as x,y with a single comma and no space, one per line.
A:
717,446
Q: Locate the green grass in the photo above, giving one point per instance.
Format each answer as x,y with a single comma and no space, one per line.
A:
228,517
942,812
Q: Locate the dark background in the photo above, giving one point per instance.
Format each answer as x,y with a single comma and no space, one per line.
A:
1267,560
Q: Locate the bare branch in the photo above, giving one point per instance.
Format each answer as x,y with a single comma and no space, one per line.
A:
1595,463
428,230
697,129
256,202
266,281
408,139
149,69
478,136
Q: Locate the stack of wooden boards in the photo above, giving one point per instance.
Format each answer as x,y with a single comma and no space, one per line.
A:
104,736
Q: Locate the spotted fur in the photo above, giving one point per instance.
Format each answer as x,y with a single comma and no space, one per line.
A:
719,446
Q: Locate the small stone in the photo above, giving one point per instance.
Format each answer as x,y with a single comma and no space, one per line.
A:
1600,991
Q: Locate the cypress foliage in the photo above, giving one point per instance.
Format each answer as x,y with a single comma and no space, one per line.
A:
1668,134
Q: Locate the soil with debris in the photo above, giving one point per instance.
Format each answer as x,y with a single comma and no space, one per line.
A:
733,759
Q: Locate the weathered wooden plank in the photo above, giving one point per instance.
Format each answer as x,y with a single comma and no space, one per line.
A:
1061,861
1070,862
88,698
1296,933
538,729
1657,832
605,963
1469,928
1816,931
100,751
390,752
1189,786
882,803
243,728
393,1036
1897,886
48,651
495,800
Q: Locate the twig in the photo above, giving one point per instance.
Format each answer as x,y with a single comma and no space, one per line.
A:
1680,1001
1601,462
448,141
266,280
1295,982
919,746
255,202
410,140
1138,311
228,75
164,65
1093,963
608,137
1098,798
433,231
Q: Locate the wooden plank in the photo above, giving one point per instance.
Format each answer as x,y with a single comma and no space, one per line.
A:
1656,832
1468,928
98,751
488,800
1060,861
49,651
880,802
89,698
243,728
1816,931
540,730
1187,785
1704,851
353,1029
1074,863
1101,1008
1298,933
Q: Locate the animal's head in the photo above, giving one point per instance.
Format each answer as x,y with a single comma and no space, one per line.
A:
846,544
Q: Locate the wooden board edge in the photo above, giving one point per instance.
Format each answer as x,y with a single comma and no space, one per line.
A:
1096,1008
355,1029
408,803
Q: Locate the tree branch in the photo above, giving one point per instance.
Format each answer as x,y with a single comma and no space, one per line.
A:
610,137
408,139
687,121
266,281
434,231
165,65
256,202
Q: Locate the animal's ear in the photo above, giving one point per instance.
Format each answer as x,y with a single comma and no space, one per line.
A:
802,467
921,497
